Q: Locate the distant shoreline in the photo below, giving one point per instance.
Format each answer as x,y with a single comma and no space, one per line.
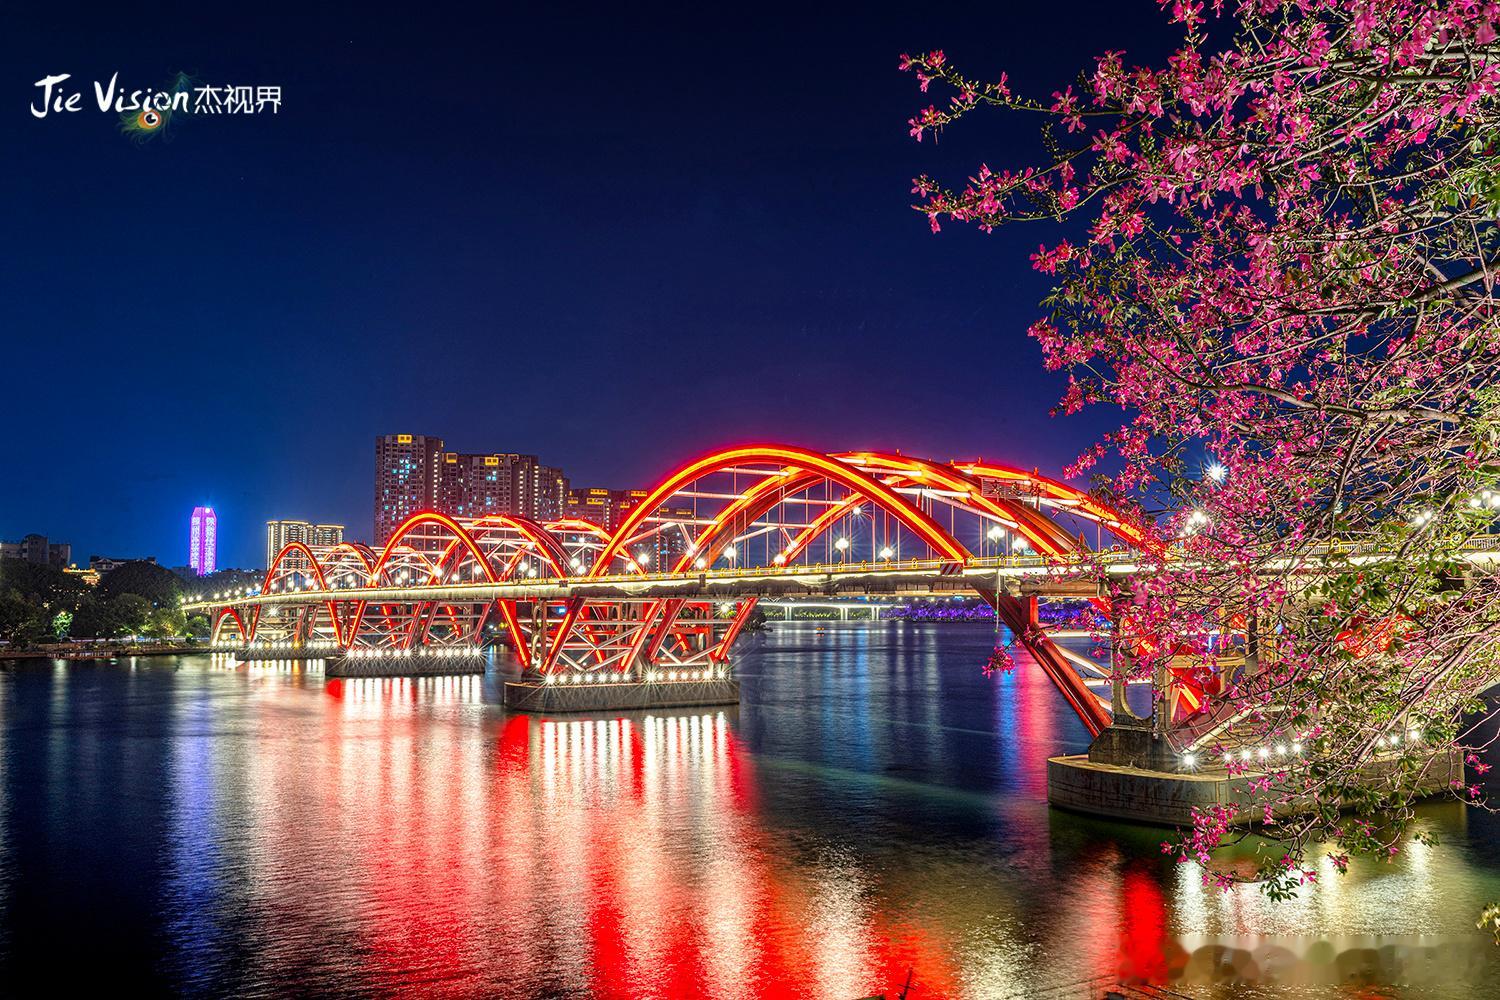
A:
99,652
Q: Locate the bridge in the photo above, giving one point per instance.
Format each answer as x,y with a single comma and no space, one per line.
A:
647,614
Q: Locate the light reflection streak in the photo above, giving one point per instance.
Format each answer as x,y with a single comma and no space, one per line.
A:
381,836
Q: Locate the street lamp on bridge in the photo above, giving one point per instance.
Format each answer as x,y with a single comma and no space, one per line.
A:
996,534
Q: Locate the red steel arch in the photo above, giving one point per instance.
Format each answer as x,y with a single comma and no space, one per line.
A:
239,624
757,500
287,550
362,554
1112,519
317,571
798,459
443,520
545,543
794,497
1044,534
405,528
824,521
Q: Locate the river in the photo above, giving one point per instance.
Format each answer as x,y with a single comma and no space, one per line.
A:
874,810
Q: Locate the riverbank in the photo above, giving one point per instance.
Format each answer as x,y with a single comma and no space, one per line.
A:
99,651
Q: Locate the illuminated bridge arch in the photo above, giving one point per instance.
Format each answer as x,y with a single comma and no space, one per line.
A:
226,621
575,598
296,567
779,476
1059,496
348,564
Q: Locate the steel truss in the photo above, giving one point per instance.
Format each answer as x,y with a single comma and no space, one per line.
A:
768,509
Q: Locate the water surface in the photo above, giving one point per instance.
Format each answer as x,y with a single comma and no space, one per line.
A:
875,809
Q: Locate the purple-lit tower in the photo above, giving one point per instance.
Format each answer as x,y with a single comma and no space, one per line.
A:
203,541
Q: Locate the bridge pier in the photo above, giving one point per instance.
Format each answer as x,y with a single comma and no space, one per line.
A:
1132,742
1167,798
255,653
539,695
431,664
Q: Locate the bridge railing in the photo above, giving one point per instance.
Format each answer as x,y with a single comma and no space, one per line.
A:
1029,561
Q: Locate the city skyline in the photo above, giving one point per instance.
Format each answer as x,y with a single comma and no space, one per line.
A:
542,279
716,502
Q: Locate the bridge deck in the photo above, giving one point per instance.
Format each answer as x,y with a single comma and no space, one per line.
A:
1029,575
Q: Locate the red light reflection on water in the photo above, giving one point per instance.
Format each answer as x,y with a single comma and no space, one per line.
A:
611,857
1143,931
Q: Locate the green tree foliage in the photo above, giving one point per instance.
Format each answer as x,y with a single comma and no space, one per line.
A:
32,596
159,586
165,623
48,588
21,621
126,614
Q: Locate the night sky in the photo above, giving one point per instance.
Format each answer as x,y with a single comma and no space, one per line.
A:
612,239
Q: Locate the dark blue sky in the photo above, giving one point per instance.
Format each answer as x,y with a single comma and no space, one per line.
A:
613,239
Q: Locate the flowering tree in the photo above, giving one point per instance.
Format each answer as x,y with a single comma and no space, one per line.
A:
1287,283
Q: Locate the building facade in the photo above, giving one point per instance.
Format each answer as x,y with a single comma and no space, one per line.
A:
552,500
600,505
594,504
89,576
103,564
626,501
40,550
203,540
524,482
414,473
407,471
475,485
280,534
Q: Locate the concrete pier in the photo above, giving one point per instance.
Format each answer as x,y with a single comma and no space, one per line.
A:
1166,798
531,696
402,666
254,655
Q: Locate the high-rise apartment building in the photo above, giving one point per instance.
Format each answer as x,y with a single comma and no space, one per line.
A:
604,507
626,501
552,498
280,534
203,540
594,504
473,485
525,485
414,473
507,483
407,469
